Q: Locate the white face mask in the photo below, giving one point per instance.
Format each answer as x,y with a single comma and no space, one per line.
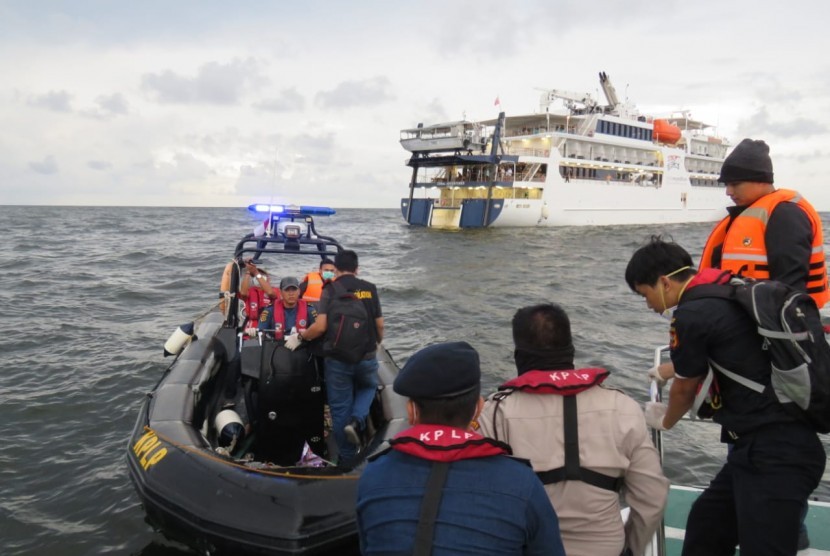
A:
668,312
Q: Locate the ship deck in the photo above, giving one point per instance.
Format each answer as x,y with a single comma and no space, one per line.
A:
680,502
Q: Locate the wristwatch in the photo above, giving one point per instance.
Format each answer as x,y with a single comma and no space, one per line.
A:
259,276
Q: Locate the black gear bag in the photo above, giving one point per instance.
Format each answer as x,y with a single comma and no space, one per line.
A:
348,336
792,333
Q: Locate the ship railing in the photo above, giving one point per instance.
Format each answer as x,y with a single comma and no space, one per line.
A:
655,394
538,130
524,151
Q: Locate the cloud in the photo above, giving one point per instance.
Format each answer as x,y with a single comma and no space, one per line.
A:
453,39
108,106
184,166
214,83
289,100
760,125
320,145
47,166
432,113
99,165
57,101
114,104
349,94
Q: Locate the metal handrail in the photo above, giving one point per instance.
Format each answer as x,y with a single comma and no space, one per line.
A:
658,543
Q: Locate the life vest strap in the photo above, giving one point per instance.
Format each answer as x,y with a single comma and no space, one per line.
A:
593,478
572,471
434,490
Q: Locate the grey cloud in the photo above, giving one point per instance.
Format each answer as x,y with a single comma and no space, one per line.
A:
254,180
57,101
214,83
108,106
47,166
759,126
114,104
289,100
305,143
99,164
808,157
431,113
348,94
482,34
474,30
185,165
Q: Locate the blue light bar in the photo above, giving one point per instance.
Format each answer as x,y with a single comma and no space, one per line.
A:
261,208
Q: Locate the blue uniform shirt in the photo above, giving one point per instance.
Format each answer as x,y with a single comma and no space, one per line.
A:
491,505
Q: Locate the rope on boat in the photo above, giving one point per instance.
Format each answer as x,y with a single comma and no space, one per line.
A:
287,474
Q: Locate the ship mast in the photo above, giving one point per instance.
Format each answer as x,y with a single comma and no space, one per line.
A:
610,92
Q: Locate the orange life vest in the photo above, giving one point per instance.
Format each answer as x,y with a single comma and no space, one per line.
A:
314,287
744,250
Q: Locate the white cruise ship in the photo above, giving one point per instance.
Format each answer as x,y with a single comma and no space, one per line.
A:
576,162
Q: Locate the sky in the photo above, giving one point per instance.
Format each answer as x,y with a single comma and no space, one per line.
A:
222,104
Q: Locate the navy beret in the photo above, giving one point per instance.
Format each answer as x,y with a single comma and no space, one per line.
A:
440,371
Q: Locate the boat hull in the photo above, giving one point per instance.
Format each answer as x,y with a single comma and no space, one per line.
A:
216,504
577,204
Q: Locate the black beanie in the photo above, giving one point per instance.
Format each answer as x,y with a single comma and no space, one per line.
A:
749,161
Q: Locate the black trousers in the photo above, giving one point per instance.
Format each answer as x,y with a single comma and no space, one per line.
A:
757,498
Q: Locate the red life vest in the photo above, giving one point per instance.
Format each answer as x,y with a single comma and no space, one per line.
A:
446,444
255,301
301,322
566,383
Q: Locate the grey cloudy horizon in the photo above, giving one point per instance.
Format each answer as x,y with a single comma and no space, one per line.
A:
215,104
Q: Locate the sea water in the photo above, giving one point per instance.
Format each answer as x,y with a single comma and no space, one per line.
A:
89,296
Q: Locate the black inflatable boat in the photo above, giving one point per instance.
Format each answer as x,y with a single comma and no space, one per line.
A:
220,492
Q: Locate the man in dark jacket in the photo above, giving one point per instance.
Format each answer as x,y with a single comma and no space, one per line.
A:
776,461
350,387
770,234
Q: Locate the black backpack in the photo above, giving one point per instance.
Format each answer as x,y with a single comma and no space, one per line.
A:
348,336
792,333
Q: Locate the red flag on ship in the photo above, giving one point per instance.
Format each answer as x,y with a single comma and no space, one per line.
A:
497,101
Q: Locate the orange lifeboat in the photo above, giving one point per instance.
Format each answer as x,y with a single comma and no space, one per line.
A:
666,132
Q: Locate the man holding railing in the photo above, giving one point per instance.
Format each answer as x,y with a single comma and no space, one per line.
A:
776,461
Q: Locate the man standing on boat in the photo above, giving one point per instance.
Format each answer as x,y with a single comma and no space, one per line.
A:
770,234
442,489
551,403
776,461
350,384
